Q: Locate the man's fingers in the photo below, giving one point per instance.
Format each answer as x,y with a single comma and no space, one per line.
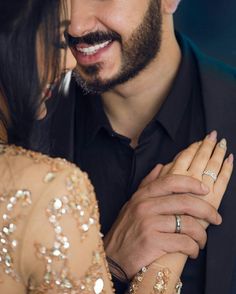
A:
192,228
172,243
167,224
166,168
181,204
171,184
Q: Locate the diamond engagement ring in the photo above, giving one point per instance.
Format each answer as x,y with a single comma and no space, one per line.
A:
178,224
210,174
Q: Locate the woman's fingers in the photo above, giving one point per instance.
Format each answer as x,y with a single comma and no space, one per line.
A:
214,165
203,155
166,169
184,159
152,176
222,180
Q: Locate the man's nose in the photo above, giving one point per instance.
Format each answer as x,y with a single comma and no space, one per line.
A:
83,18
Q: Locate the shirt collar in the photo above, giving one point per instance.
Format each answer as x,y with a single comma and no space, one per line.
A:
171,113
96,119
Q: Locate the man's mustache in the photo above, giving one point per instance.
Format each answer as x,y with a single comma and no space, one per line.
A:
92,38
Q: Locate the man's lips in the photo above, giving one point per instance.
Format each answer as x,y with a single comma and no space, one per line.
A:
88,54
91,49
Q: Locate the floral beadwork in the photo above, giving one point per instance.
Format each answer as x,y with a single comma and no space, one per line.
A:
78,204
162,279
64,282
77,201
138,278
55,164
161,282
178,287
8,243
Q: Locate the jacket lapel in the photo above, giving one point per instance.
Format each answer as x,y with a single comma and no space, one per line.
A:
219,98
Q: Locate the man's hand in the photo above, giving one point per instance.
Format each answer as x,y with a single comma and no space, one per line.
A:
145,228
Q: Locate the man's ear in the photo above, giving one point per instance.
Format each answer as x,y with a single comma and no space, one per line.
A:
170,6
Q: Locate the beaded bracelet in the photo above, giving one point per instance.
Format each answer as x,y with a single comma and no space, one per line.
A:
117,271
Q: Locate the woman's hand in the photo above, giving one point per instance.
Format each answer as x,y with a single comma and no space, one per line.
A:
203,161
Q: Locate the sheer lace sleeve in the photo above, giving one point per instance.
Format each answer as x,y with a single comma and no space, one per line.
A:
63,236
59,248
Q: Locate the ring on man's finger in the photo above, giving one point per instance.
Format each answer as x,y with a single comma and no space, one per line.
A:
178,224
210,173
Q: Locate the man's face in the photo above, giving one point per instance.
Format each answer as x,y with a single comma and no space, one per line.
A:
116,39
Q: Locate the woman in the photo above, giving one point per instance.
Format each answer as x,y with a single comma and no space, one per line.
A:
49,228
49,240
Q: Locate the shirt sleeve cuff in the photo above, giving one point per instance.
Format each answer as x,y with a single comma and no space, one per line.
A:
120,287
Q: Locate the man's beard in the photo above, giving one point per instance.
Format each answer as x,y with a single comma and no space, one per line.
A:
137,53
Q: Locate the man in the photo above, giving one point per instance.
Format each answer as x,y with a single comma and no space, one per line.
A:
142,94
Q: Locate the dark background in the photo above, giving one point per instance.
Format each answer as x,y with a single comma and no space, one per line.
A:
211,24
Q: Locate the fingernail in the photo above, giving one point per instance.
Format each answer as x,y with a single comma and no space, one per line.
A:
223,144
205,188
230,159
219,219
212,136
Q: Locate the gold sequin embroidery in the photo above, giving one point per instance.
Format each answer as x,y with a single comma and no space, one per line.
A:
80,204
161,282
84,210
8,243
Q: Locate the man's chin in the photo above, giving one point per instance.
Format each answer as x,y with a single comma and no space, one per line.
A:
94,83
91,85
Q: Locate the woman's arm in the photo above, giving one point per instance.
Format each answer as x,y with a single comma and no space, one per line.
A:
63,250
203,161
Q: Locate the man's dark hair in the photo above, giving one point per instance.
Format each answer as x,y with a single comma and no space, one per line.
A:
21,77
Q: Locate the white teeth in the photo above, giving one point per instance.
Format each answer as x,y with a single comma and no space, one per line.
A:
93,49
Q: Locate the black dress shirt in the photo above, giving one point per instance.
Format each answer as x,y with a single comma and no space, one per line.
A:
116,169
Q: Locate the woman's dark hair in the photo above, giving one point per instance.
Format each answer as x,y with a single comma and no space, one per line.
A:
28,60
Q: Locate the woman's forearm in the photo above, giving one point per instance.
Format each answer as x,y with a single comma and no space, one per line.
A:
161,277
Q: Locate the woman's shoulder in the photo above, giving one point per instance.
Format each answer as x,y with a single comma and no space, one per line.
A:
17,153
22,162
53,198
39,173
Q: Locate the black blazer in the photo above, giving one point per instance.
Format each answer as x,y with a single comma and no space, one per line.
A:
219,95
218,86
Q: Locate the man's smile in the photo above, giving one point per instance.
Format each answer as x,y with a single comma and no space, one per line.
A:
92,49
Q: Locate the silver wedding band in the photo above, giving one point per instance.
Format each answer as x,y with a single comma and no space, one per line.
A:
210,173
178,224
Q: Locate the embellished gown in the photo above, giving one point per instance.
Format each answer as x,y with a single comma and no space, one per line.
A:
49,227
